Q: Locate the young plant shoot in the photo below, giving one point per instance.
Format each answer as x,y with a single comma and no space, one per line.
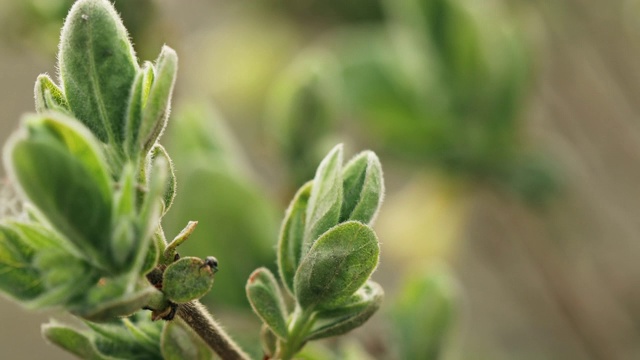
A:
95,185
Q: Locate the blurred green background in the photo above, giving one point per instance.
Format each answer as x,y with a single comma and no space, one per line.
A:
508,131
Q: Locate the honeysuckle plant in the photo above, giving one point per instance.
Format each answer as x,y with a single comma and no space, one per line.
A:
95,184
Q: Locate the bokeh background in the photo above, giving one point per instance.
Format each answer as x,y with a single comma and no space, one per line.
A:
509,132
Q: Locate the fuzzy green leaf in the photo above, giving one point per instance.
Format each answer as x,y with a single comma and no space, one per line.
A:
158,151
180,343
337,265
363,188
125,339
148,220
124,213
65,277
325,201
187,279
352,314
72,340
18,278
77,139
111,298
158,104
265,299
49,96
58,167
292,236
97,67
134,110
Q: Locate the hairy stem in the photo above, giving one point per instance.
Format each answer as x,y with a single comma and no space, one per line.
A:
199,319
301,324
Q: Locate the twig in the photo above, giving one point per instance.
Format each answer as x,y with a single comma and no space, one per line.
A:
199,319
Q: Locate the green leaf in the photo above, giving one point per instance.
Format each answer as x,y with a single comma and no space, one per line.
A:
134,110
158,104
37,236
179,342
325,201
124,215
265,299
363,188
148,220
111,298
72,340
58,167
97,67
337,265
77,139
187,279
18,278
49,96
352,314
292,236
65,277
125,339
158,151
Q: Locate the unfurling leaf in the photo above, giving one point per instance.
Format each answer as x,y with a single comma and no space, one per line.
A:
363,188
158,103
292,236
49,96
187,279
265,298
337,265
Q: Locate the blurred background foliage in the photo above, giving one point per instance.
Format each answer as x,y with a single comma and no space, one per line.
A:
508,133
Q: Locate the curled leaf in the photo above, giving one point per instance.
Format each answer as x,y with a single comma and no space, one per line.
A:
49,96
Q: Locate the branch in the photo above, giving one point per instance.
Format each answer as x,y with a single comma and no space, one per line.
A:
199,319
